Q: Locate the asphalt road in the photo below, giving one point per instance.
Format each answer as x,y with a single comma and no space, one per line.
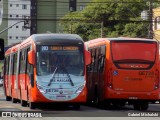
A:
49,112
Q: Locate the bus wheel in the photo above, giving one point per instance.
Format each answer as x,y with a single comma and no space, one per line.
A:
144,106
23,103
136,106
8,98
32,105
97,103
122,104
115,105
76,107
14,100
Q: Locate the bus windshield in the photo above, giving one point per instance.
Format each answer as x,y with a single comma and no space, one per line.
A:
132,51
56,61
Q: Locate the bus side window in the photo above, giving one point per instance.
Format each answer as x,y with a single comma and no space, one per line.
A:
10,71
6,65
96,60
101,59
89,67
14,64
23,61
93,60
29,68
27,64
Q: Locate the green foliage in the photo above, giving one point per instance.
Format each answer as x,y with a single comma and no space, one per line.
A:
119,18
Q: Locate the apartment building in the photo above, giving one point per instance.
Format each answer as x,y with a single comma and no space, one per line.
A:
43,16
52,11
18,10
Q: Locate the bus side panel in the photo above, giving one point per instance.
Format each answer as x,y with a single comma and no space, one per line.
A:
23,91
7,88
10,84
14,89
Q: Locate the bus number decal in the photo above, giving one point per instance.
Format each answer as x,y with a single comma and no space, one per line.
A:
44,48
51,90
147,74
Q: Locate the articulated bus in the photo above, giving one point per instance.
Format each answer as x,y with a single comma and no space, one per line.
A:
47,68
123,71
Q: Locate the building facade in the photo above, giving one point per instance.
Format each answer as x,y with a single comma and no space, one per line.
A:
43,17
156,23
50,12
18,10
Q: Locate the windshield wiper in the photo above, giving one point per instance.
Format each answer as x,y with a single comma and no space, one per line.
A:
51,80
63,68
68,75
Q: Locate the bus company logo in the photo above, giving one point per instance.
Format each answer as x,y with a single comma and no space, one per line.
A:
60,92
115,72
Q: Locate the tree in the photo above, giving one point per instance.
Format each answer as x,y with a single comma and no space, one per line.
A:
119,18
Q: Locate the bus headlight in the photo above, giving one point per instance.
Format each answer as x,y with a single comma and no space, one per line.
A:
79,90
41,89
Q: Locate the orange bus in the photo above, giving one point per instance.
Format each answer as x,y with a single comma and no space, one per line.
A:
47,68
123,70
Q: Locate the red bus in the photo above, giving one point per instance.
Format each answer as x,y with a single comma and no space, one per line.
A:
47,68
123,70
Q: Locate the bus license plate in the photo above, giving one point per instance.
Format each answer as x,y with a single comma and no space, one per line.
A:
133,98
60,97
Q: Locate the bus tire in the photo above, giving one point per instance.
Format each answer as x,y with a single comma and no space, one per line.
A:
136,106
144,106
14,100
76,107
23,103
122,104
8,98
32,105
97,103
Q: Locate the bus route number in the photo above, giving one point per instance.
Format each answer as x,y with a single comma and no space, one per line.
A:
44,48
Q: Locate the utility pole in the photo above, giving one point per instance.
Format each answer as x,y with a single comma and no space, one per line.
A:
150,31
102,29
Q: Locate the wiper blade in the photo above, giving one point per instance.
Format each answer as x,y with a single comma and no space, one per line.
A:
63,68
68,76
51,80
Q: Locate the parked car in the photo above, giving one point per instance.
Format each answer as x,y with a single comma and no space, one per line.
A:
1,82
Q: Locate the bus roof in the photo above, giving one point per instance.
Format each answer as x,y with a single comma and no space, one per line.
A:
102,40
39,37
128,38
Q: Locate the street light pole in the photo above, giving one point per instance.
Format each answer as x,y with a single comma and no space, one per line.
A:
102,29
11,26
150,34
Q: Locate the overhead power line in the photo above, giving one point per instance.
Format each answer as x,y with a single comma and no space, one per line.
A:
78,20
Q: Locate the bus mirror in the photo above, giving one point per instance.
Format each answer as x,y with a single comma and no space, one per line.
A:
1,49
31,57
88,57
